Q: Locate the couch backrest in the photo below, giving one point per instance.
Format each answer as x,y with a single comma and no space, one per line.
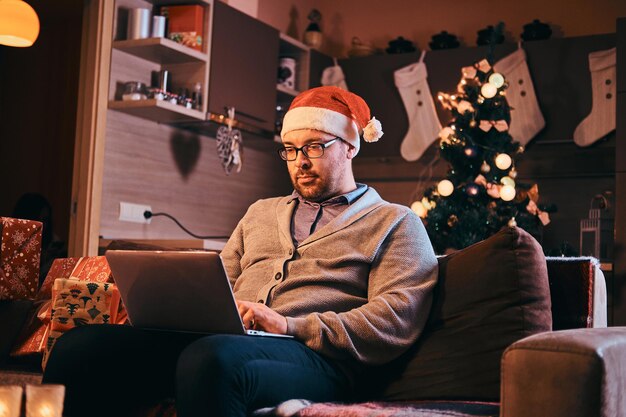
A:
488,296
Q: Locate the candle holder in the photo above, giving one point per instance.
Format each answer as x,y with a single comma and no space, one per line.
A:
44,400
10,401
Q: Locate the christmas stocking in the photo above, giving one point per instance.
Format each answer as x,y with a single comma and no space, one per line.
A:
424,125
526,117
334,76
601,120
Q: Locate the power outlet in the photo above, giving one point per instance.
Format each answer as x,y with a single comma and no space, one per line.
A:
130,212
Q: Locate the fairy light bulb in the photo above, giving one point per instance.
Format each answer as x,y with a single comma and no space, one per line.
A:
503,161
488,90
496,79
445,187
507,193
508,181
419,209
485,167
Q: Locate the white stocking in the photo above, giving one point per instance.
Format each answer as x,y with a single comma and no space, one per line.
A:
526,117
601,120
424,125
334,76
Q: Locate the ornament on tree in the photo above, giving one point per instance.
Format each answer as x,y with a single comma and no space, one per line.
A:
491,197
601,121
424,124
230,144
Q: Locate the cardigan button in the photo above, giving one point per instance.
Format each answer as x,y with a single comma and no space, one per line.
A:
290,252
278,276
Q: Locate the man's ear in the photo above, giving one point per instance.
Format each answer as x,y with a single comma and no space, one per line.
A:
352,151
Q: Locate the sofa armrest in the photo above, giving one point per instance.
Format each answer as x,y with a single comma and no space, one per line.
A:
569,373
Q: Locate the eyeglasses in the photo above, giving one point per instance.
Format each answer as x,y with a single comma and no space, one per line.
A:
310,150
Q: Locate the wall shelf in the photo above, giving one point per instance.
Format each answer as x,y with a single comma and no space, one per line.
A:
160,51
156,110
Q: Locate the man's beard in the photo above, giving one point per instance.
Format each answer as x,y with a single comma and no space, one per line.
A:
317,190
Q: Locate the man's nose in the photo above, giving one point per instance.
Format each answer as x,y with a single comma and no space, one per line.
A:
302,159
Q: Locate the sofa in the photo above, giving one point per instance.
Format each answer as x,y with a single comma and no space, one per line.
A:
510,333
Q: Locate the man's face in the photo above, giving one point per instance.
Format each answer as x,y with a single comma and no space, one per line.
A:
317,179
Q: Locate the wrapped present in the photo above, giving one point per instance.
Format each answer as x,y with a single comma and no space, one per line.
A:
20,255
36,331
79,303
186,24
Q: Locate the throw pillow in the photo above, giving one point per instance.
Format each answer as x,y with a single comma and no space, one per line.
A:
488,296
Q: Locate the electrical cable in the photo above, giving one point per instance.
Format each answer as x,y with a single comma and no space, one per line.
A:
148,214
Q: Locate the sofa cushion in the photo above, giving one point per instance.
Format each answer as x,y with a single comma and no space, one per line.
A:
489,295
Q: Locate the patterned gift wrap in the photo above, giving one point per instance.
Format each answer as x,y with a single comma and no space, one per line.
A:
20,255
79,303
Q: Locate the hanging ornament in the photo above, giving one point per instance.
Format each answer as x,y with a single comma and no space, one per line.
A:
485,167
496,79
453,220
512,222
472,123
488,90
513,173
507,193
419,209
503,161
445,187
472,189
507,181
229,144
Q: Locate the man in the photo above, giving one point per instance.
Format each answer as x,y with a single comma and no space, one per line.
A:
349,275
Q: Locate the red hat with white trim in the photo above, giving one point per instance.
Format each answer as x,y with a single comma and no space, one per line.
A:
335,111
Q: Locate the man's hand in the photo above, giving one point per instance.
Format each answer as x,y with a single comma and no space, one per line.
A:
258,316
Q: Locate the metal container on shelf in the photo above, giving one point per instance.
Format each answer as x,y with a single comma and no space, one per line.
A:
139,23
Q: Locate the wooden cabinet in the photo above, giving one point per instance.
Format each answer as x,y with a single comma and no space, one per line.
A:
243,67
140,59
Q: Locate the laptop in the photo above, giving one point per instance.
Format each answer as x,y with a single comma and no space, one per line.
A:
184,291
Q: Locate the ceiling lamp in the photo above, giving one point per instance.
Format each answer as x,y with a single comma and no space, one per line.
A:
19,24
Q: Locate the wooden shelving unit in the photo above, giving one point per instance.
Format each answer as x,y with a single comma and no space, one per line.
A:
157,110
160,51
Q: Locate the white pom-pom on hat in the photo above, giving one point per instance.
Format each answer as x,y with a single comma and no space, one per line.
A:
373,131
332,110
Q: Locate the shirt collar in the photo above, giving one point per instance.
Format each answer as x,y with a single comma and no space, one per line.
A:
347,198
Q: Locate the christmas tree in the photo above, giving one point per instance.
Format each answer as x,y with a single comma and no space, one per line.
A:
480,194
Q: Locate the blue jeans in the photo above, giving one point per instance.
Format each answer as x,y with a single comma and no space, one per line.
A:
122,370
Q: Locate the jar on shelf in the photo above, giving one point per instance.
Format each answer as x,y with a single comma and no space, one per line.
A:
134,90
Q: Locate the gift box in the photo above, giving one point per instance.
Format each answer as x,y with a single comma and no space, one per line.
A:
20,256
185,24
37,329
78,303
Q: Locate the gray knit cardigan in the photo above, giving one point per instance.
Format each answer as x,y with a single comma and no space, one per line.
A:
358,288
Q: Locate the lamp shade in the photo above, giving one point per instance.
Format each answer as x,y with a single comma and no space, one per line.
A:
19,24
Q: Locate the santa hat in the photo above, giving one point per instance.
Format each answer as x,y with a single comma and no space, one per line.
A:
335,111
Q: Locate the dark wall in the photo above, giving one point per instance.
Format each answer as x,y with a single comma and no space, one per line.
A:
568,176
38,100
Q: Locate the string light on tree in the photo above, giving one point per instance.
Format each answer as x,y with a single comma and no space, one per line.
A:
507,193
496,79
485,167
419,209
507,181
488,90
503,161
445,187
